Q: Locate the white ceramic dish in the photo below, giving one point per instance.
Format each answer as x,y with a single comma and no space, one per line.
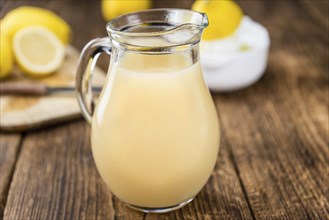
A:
238,61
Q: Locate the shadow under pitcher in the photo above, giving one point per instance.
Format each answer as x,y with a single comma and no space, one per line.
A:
155,132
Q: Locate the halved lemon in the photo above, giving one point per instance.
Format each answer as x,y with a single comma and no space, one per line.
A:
38,51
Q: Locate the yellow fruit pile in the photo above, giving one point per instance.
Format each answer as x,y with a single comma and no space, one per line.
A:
35,37
224,17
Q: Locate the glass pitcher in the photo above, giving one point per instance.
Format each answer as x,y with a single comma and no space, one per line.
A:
155,132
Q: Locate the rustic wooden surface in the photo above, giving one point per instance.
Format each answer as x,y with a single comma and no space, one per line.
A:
273,161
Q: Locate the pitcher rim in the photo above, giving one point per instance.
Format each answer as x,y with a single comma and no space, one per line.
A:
111,30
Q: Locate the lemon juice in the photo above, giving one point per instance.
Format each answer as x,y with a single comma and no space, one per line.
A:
155,134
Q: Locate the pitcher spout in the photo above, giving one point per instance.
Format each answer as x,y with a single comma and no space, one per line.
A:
191,31
204,20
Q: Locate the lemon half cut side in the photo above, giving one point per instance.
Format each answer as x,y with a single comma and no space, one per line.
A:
38,51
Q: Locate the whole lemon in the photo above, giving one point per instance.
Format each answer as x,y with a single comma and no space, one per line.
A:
224,17
6,56
25,16
114,8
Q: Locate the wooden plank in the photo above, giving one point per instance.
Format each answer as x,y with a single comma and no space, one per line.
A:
278,129
9,148
55,178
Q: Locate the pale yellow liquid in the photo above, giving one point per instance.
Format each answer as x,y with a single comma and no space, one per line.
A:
155,134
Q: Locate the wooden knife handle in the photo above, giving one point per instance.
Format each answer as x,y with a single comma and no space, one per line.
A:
23,88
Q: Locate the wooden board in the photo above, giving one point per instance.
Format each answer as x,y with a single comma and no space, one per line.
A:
49,173
19,113
278,129
9,148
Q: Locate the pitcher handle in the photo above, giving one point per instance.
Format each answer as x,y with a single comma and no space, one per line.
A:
86,66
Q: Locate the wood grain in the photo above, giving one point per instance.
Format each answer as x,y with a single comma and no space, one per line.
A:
9,148
55,178
278,129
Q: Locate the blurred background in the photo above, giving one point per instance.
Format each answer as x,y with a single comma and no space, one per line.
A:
285,20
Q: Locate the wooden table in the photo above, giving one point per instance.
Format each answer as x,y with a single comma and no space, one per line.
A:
273,160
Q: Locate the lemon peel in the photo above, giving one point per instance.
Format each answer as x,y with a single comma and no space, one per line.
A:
6,56
224,17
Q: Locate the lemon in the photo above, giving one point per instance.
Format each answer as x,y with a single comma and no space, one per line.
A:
114,8
30,16
224,17
38,51
6,56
